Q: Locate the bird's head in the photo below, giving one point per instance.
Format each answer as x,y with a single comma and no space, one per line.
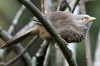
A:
83,20
86,18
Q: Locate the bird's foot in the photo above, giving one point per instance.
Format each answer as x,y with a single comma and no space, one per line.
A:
65,42
56,45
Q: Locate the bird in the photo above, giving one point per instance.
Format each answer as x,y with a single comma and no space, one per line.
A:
71,27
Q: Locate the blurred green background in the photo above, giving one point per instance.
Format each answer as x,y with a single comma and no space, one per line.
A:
9,8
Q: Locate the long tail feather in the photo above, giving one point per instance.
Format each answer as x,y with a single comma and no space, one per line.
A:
20,37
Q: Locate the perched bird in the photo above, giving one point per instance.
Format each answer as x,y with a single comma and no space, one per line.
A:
71,27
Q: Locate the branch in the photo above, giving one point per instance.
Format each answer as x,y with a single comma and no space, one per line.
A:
40,55
42,6
25,50
63,5
86,39
97,52
16,19
47,57
65,50
6,36
72,5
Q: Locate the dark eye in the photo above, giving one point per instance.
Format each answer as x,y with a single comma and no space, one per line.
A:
82,18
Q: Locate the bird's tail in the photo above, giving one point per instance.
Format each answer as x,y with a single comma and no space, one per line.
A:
18,38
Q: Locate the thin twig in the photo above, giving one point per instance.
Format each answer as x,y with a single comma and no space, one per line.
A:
40,55
88,50
63,5
16,19
51,57
82,7
97,52
72,5
46,62
86,39
65,50
42,6
6,36
25,50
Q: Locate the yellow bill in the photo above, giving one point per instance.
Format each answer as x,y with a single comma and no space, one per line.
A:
91,19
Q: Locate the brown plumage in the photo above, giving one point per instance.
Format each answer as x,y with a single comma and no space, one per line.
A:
72,28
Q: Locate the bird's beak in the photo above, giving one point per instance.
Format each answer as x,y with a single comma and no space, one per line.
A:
90,19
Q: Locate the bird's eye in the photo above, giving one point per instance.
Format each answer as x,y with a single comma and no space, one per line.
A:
82,18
